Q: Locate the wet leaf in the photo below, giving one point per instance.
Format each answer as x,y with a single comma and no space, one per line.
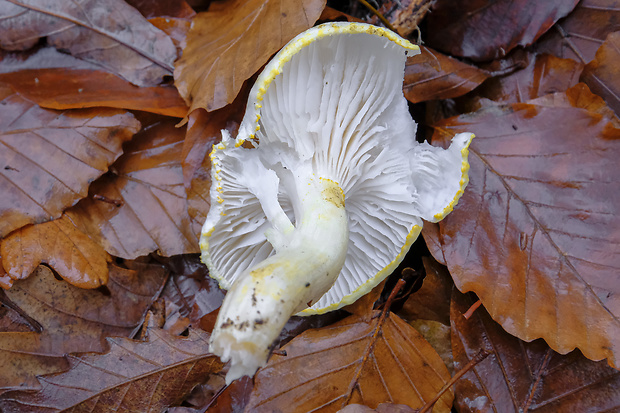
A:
49,158
230,42
524,377
142,206
432,75
234,398
343,364
534,235
70,252
582,32
112,34
132,376
603,73
59,88
486,30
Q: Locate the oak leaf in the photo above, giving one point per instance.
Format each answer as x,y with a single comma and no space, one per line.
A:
602,74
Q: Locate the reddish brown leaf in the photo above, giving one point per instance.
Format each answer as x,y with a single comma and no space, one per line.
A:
486,30
603,73
176,28
163,8
234,398
524,377
432,75
230,42
342,364
579,35
49,158
112,34
132,376
142,206
535,234
58,243
431,234
59,88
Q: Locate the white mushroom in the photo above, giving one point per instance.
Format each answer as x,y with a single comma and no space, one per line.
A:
324,189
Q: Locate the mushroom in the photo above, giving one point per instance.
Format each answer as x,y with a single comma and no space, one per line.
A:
323,190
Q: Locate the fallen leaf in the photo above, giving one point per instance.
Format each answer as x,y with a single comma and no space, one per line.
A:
438,336
486,30
163,8
141,207
583,31
382,408
432,75
132,376
70,252
404,15
229,43
61,88
176,28
49,158
112,34
603,73
535,233
431,234
234,398
352,361
524,377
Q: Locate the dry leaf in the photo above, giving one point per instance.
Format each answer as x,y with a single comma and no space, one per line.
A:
49,158
432,75
535,234
142,206
70,252
132,376
486,30
342,364
603,73
230,42
523,377
163,8
111,34
404,15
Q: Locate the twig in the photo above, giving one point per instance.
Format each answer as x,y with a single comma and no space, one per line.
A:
471,310
379,15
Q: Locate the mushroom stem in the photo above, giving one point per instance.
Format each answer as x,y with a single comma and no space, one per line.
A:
307,261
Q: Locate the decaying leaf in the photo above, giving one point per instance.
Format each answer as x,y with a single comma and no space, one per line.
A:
111,34
132,376
486,30
141,207
49,158
331,367
524,377
229,43
535,234
70,252
603,73
404,15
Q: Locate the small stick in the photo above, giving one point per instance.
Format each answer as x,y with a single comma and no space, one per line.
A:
471,310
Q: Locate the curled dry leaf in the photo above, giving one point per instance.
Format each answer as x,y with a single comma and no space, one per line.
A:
70,252
342,364
472,29
432,75
230,42
583,31
112,34
49,158
523,377
132,376
141,207
535,234
603,73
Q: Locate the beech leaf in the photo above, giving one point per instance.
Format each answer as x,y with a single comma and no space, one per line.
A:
132,376
603,75
535,233
49,158
229,43
343,363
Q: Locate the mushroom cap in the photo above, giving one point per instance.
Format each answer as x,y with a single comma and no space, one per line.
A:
330,104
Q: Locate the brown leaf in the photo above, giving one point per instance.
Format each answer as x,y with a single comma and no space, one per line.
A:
486,30
343,364
535,234
404,15
112,34
70,252
60,88
524,377
582,32
230,42
132,376
431,234
234,398
603,73
142,206
432,75
49,158
163,8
